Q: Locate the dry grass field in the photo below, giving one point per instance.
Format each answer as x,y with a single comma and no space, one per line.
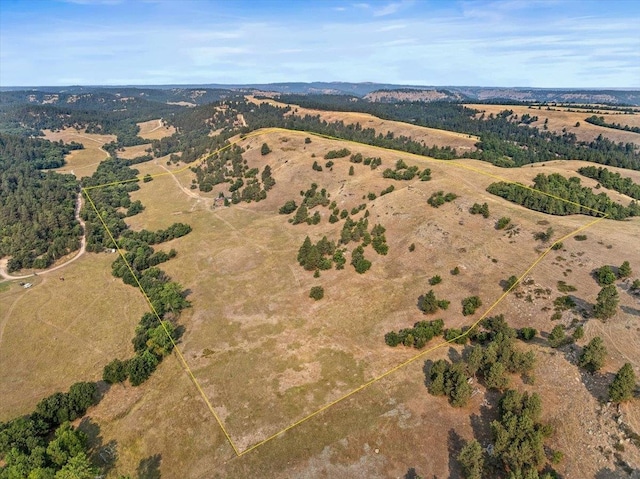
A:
430,136
81,162
131,152
560,119
155,130
60,332
267,356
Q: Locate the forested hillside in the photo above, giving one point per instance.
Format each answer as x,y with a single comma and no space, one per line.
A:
37,224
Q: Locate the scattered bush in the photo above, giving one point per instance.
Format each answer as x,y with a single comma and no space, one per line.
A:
470,304
317,293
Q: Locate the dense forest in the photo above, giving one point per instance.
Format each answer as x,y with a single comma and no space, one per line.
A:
37,223
580,199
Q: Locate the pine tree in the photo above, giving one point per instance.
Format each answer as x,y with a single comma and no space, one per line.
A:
624,271
593,355
606,302
623,384
472,460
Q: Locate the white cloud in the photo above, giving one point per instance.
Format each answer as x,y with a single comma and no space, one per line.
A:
388,9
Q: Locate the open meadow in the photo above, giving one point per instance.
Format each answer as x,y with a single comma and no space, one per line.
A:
62,330
155,129
81,162
559,120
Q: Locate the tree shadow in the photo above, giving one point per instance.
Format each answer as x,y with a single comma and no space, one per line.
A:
481,422
426,369
454,355
413,474
620,472
102,455
454,446
631,311
419,302
596,383
149,467
583,307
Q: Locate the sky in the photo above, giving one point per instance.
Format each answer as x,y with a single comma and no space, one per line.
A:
510,43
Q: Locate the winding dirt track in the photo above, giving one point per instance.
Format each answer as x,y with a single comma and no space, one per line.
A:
81,251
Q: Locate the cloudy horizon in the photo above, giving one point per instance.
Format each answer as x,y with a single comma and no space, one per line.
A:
511,43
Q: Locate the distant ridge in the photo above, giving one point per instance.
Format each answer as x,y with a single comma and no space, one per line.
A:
381,91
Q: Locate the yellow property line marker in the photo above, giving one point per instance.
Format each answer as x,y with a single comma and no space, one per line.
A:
384,374
175,346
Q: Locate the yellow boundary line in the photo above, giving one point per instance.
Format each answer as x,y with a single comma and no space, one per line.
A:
389,371
175,346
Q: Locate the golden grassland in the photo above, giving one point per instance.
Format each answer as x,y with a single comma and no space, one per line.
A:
60,332
560,119
430,136
81,162
155,130
267,355
131,152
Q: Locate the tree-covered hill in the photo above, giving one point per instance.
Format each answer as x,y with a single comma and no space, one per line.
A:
37,224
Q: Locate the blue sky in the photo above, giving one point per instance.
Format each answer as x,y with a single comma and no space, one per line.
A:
529,43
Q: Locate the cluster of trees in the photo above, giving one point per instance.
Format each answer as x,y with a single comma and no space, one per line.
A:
438,198
311,198
404,172
37,222
228,166
612,180
470,304
429,304
320,256
600,121
333,154
518,439
491,357
372,162
43,444
580,200
111,199
355,231
480,209
379,240
358,261
421,333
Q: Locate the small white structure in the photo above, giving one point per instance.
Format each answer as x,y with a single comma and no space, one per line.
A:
27,285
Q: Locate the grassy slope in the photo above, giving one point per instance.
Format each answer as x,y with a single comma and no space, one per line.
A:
267,355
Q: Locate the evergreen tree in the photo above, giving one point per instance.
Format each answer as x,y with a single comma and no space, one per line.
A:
606,302
593,355
605,275
624,271
557,337
471,459
623,385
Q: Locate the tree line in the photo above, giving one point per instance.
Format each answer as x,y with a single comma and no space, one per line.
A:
581,200
612,180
